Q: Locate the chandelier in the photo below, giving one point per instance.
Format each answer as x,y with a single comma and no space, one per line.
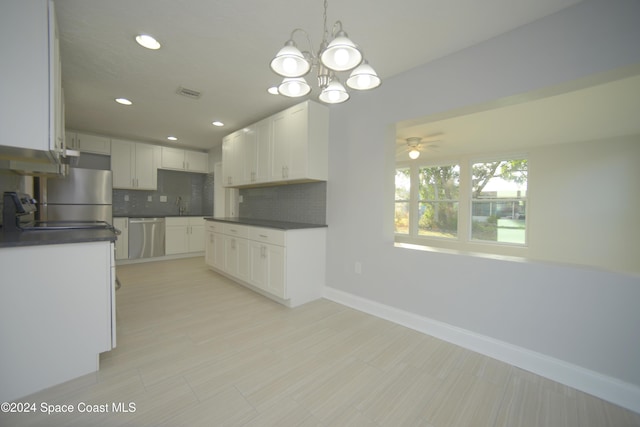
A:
337,53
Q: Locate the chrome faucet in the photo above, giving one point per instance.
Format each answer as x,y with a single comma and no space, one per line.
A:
181,207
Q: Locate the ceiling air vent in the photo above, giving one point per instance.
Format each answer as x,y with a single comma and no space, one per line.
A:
189,93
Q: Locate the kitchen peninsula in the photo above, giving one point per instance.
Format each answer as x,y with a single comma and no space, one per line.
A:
281,260
57,306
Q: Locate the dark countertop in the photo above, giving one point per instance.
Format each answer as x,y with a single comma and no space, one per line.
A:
54,237
266,223
157,216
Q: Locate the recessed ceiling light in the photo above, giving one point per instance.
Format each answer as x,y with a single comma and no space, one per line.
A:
148,41
217,123
123,101
273,90
172,138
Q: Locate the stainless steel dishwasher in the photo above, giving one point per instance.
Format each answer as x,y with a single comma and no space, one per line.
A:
146,237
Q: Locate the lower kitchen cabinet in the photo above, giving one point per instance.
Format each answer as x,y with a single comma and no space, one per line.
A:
122,244
285,265
184,235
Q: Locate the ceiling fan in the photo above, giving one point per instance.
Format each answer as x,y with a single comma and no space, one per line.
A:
414,145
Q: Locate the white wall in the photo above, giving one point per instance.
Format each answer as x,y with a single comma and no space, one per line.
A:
577,325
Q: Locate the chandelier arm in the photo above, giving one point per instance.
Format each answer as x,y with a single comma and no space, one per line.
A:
310,52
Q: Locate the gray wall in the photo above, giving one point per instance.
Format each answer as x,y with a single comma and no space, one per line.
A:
579,324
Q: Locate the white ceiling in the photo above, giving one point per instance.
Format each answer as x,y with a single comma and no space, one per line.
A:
222,48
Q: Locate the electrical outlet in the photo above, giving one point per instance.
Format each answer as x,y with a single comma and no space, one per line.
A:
358,267
240,199
149,198
163,199
126,197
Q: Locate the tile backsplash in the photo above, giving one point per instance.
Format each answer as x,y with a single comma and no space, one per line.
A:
195,191
293,202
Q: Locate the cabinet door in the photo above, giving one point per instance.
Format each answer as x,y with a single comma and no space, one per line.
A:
27,66
122,163
279,147
196,235
196,161
145,169
266,268
297,121
219,255
122,244
172,158
93,143
233,161
237,257
262,131
275,275
176,239
209,249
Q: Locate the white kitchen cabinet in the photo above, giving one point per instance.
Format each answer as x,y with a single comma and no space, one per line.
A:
57,318
122,244
236,250
291,146
133,165
233,162
88,143
31,114
299,143
257,143
184,235
184,160
285,265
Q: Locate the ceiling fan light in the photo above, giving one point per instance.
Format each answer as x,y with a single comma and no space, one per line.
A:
290,62
294,87
414,154
363,77
334,93
341,54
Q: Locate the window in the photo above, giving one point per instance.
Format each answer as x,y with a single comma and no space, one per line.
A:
438,191
463,204
403,192
499,201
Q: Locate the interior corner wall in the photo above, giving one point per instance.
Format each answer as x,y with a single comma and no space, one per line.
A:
583,317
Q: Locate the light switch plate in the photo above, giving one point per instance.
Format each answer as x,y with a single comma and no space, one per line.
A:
149,198
163,199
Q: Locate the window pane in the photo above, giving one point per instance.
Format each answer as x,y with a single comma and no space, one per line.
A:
498,206
438,219
402,218
500,179
439,182
403,184
499,221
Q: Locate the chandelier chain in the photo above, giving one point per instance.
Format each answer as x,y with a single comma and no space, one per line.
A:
326,32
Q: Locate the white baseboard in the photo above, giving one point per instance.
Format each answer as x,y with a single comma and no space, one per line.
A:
605,387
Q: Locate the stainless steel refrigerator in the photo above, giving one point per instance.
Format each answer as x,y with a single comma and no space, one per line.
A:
83,195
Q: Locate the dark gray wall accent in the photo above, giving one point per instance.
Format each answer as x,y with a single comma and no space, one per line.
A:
294,202
193,188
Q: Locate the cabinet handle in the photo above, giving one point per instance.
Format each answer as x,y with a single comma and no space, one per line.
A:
263,236
233,244
263,251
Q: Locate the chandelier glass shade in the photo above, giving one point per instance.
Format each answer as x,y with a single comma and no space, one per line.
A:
339,54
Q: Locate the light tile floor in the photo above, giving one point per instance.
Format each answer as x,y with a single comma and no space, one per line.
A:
195,349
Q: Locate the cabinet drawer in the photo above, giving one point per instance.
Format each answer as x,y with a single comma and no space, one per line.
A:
267,235
216,227
176,221
236,230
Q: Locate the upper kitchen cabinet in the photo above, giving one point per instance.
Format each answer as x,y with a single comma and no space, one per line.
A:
88,143
299,143
31,116
133,165
291,146
233,159
184,160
